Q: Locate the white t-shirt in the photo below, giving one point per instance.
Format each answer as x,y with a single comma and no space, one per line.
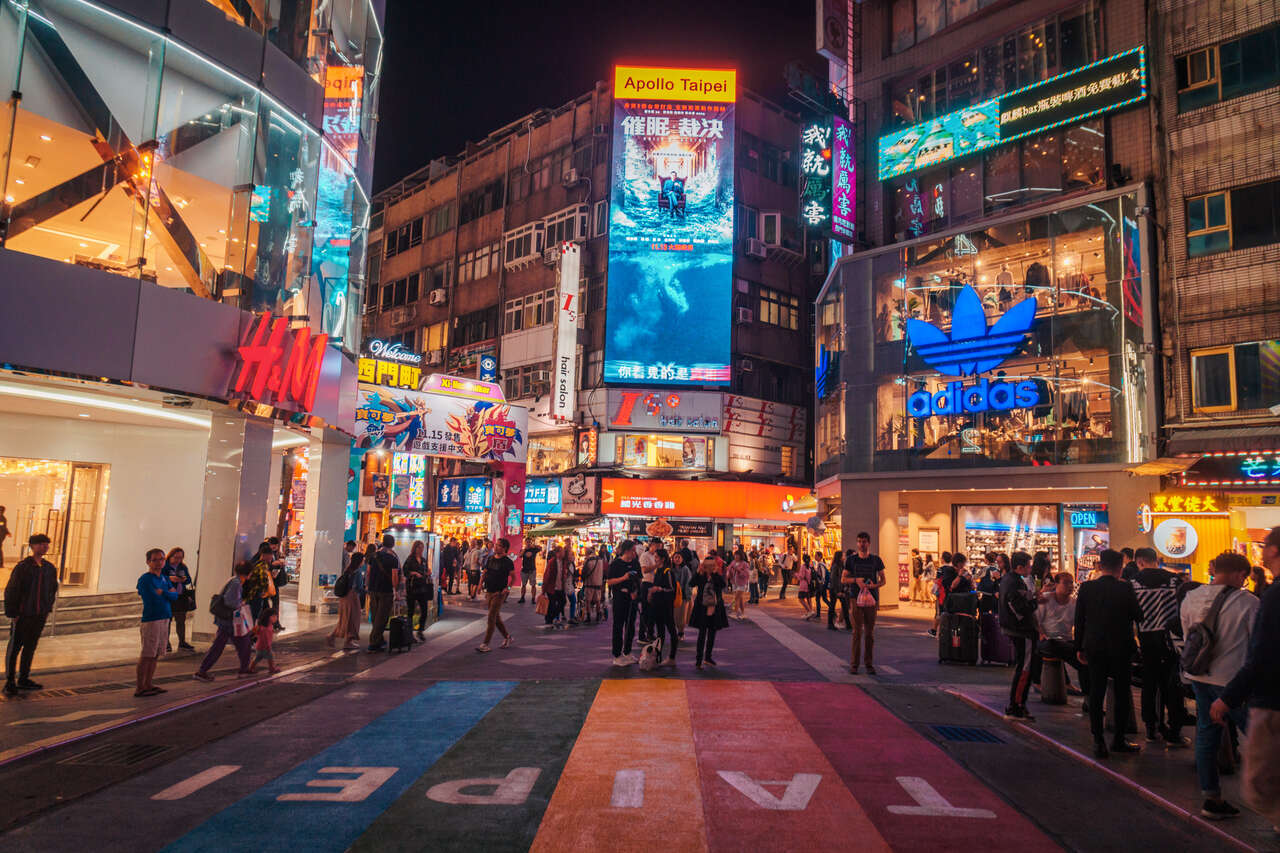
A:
1235,625
1057,621
648,565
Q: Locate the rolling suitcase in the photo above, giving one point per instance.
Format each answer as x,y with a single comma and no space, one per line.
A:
995,644
958,639
398,629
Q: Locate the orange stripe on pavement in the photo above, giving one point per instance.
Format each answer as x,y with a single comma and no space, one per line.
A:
757,768
602,802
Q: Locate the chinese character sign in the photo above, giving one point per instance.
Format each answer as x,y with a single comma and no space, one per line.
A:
671,226
440,425
844,181
816,172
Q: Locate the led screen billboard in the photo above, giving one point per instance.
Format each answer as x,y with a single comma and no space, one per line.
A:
1073,96
671,226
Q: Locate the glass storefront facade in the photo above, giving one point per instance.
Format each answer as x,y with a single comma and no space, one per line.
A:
1020,341
67,500
130,152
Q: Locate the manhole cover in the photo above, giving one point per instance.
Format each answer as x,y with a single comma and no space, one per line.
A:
117,754
968,734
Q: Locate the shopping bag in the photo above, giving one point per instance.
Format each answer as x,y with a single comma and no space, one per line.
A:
242,621
866,599
542,605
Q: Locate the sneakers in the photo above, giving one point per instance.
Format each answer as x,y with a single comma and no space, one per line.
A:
1218,810
933,632
10,689
202,676
28,684
483,647
1019,713
622,660
186,647
871,670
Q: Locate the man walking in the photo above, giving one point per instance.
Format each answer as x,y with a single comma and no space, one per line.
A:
497,576
158,594
529,570
28,601
623,581
1017,615
1228,612
384,579
1157,592
788,568
1106,611
1258,683
863,577
449,567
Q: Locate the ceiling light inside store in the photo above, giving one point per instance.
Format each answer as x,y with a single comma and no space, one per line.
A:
32,161
9,199
44,137
92,401
19,181
84,414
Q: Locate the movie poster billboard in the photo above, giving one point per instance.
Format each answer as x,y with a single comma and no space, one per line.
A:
440,425
671,226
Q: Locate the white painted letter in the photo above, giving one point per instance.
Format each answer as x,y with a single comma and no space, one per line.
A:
510,790
187,787
930,803
800,788
349,790
628,789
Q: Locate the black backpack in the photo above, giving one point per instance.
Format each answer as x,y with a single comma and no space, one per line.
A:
342,585
218,605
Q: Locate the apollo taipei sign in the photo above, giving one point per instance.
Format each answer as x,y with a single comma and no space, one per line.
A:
972,348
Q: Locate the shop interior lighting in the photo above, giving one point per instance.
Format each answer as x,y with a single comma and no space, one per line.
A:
97,402
289,441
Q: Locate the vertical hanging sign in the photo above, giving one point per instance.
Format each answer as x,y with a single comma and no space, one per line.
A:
844,182
563,401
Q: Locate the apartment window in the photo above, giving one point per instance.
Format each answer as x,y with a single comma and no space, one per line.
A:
434,337
1229,70
440,220
476,326
411,288
567,224
514,315
594,374
601,218
779,309
528,312
1208,225
415,233
582,159
595,294
526,380
524,242
748,221
480,202
517,183
1241,377
478,263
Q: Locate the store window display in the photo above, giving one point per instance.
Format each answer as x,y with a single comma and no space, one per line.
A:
64,500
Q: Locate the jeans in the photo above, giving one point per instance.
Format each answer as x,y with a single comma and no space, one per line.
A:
864,625
495,600
1104,664
573,604
624,625
380,608
786,579
420,599
180,625
819,595
755,593
706,644
1209,738
24,634
1160,688
1020,685
242,644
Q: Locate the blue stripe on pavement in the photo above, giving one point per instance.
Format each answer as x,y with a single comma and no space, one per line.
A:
409,738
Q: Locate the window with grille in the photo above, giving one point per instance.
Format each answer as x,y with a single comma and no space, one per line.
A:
779,309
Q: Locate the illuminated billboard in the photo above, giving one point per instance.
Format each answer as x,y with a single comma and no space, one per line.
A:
671,226
1073,96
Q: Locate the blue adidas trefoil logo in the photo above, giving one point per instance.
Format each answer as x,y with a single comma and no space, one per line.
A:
972,348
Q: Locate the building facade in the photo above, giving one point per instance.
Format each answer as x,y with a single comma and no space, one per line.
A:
467,266
184,221
987,348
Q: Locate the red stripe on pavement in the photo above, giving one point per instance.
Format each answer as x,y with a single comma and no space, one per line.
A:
765,785
883,761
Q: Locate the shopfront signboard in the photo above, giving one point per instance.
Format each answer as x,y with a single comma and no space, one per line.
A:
970,348
279,366
1073,96
701,499
542,497
461,386
1254,468
564,379
390,364
440,425
472,356
1175,538
671,225
665,410
579,494
469,494
844,182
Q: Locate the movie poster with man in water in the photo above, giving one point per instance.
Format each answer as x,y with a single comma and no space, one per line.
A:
671,227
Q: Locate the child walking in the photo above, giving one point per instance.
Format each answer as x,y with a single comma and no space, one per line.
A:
265,631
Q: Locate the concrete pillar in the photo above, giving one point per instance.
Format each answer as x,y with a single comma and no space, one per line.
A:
328,461
863,507
237,480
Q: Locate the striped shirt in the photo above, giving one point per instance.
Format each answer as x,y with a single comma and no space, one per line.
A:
1157,592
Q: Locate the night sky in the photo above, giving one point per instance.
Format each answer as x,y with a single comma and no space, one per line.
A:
455,71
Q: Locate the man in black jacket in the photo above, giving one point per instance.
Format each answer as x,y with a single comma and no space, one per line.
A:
1106,611
1017,613
28,600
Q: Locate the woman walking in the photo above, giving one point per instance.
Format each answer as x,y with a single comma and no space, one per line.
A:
661,603
348,627
552,581
709,614
835,593
174,566
738,574
418,587
800,574
818,584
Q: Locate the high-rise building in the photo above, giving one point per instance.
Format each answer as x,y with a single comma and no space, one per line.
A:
185,210
687,368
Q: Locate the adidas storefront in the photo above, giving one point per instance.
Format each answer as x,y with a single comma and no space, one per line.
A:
991,388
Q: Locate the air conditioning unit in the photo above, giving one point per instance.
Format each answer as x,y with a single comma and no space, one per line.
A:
743,285
436,356
746,315
570,178
551,255
746,365
541,377
756,248
438,297
401,315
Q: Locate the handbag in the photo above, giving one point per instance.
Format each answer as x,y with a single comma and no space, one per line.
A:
542,605
219,608
342,585
865,598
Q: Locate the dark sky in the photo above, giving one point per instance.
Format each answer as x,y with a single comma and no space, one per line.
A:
456,70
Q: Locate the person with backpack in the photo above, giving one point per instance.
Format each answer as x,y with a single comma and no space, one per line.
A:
259,586
709,614
346,590
1157,592
1217,623
384,580
1106,613
234,624
1016,605
682,572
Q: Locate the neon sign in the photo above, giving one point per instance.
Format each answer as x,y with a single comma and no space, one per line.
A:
844,182
278,368
379,348
815,169
969,349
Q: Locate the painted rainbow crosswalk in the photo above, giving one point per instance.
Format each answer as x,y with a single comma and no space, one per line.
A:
629,765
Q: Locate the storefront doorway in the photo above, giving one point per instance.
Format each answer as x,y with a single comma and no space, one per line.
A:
63,499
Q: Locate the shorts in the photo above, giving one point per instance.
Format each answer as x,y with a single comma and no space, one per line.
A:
155,636
264,654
